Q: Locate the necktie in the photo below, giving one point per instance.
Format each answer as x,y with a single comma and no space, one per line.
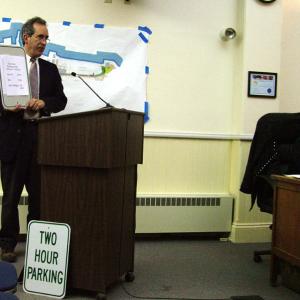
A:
34,85
33,77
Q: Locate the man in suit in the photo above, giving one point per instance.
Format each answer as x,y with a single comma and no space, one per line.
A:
18,136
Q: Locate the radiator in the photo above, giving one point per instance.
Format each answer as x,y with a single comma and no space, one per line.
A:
183,214
173,213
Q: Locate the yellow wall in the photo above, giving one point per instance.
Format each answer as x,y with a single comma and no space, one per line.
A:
184,166
175,166
290,57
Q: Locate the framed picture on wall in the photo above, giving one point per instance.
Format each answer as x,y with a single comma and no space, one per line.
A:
262,84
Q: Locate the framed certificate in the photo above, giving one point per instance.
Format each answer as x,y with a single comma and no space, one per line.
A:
262,84
14,83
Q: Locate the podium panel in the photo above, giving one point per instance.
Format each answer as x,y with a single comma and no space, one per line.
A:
89,176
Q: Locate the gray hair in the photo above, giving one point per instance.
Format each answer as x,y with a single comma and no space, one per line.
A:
28,29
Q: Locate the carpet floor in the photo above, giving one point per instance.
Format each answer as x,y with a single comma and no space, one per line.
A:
188,269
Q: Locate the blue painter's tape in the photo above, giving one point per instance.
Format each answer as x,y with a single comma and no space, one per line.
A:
145,29
147,69
146,112
66,23
6,20
143,38
99,25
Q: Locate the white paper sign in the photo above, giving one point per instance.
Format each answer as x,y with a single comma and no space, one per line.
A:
46,259
14,75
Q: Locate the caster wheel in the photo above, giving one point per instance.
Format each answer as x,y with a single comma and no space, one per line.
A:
257,258
129,277
101,296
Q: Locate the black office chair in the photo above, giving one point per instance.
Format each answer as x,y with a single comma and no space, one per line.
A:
265,190
275,149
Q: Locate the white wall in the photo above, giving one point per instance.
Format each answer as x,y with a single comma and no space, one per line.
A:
190,84
262,50
290,57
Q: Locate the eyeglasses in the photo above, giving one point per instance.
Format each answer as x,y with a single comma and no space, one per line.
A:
42,37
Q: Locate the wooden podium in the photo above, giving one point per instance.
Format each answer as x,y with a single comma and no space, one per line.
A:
89,176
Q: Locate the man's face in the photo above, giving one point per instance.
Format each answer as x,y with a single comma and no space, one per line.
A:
35,44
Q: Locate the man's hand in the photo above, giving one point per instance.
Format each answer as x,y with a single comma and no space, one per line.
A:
35,104
17,108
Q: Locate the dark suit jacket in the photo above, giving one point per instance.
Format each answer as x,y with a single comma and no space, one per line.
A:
12,123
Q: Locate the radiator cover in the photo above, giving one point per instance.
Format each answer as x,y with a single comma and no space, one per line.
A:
183,214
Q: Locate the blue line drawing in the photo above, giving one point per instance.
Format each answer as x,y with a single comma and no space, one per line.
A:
141,35
99,57
99,25
12,33
145,29
6,19
66,23
146,112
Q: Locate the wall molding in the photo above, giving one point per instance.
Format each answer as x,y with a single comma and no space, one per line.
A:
251,225
256,232
198,135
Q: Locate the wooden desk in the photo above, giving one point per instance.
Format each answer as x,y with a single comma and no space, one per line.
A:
286,224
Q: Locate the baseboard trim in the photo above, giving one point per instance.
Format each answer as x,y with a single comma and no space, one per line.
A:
251,232
183,236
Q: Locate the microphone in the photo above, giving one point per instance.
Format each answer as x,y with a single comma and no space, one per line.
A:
106,103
